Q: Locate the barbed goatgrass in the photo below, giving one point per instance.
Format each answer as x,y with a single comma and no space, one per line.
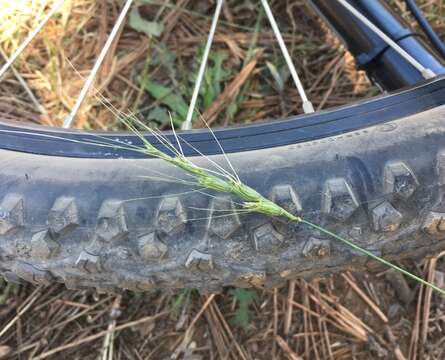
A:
222,181
252,201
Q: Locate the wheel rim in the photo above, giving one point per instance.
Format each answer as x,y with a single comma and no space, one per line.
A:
307,106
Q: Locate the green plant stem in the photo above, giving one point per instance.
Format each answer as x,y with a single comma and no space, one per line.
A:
375,257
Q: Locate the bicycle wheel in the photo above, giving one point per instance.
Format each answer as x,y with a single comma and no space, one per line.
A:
84,215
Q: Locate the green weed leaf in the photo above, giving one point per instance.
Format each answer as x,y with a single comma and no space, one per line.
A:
167,97
138,23
179,301
159,115
243,314
217,71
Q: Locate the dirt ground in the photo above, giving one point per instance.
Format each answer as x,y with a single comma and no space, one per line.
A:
150,71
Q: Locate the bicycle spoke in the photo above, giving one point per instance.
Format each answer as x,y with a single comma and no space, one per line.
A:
30,38
89,82
187,124
426,73
307,105
25,86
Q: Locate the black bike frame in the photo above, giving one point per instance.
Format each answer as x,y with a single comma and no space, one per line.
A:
383,64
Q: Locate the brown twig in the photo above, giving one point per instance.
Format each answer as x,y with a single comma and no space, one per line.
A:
364,297
287,350
290,298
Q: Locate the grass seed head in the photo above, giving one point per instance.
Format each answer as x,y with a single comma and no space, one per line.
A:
152,151
215,183
246,192
267,207
189,167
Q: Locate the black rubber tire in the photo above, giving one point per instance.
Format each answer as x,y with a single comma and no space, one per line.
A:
76,220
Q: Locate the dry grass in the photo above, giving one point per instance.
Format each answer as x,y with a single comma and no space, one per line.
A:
350,316
76,34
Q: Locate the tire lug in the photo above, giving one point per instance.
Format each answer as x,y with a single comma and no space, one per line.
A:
11,213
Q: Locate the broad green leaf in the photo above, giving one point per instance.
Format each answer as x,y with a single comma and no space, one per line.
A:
166,97
159,115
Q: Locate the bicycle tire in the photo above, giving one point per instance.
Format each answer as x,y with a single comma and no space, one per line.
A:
373,172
